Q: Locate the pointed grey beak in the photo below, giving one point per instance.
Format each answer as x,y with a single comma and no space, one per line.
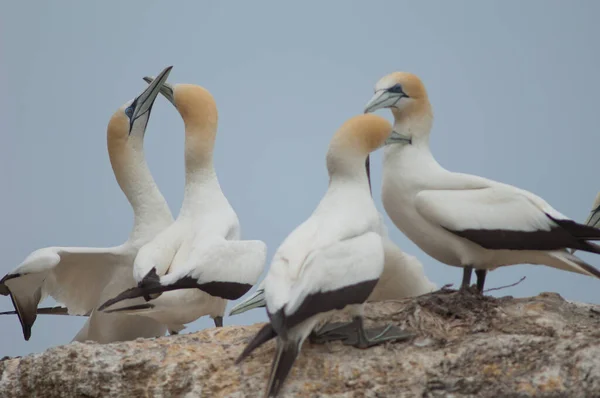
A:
165,89
143,103
382,99
593,219
257,300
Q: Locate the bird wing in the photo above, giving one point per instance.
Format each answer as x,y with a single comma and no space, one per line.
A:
331,278
503,217
73,276
403,276
48,311
222,268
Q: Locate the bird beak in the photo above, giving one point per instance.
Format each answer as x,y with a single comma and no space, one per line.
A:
382,99
165,89
255,301
594,218
144,102
397,138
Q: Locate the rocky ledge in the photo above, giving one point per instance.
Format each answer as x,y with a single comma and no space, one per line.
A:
465,346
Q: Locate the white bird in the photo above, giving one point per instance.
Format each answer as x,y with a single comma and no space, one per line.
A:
459,219
82,278
333,259
199,262
403,276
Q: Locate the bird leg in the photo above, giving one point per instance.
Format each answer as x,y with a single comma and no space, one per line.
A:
481,273
353,333
466,281
218,321
361,338
331,332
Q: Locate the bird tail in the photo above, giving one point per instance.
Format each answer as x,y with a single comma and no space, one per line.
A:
149,288
265,334
583,235
569,262
287,352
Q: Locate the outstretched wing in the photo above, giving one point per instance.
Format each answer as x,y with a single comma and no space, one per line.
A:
73,276
331,278
221,268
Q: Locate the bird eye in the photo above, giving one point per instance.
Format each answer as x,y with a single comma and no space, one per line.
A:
396,89
129,111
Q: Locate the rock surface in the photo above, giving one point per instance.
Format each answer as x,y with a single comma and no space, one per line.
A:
466,346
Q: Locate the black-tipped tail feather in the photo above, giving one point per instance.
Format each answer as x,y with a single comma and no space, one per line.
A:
137,307
566,234
265,334
286,355
576,262
151,285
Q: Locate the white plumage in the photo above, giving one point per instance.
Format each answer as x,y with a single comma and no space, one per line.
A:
82,278
198,263
459,219
403,276
334,258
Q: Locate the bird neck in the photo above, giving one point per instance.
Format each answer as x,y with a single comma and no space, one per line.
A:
200,176
414,123
347,168
128,162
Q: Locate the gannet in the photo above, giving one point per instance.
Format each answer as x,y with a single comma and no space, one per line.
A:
403,276
81,278
199,262
459,219
333,259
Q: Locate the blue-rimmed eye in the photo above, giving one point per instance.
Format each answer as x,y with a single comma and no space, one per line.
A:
396,89
129,111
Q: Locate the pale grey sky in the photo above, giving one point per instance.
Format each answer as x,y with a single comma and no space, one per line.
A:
513,84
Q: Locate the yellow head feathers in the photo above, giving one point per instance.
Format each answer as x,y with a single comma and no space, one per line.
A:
118,126
361,135
411,85
196,105
402,92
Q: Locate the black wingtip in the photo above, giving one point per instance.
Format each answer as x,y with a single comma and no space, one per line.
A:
4,290
132,293
587,267
26,332
150,284
282,365
25,325
146,306
265,334
45,311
